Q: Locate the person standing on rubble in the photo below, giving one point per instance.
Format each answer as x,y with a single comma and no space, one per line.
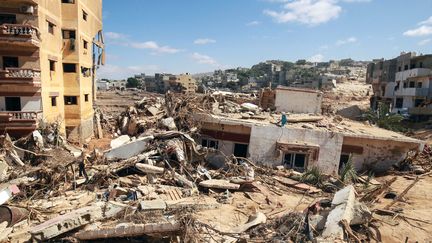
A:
82,163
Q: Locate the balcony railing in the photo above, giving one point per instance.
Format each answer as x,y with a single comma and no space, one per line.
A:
412,92
20,33
20,76
24,115
412,73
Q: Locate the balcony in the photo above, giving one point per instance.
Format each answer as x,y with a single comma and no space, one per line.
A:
416,72
19,35
19,123
20,76
412,92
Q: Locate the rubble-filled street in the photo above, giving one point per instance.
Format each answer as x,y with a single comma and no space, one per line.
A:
150,176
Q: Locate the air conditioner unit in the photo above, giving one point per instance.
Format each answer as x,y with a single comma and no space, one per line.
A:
27,9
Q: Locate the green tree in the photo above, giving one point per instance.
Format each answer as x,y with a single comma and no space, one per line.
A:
132,83
384,119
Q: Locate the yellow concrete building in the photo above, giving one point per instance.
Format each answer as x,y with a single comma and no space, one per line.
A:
48,52
183,83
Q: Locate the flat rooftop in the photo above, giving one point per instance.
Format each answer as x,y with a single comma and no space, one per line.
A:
335,124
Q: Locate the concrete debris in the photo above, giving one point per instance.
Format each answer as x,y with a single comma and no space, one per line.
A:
126,230
115,143
169,174
219,184
129,150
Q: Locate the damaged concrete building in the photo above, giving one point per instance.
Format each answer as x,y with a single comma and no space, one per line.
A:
403,83
308,140
303,145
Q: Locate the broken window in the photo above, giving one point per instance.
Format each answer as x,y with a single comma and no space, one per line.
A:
405,85
399,103
210,143
418,102
240,150
85,44
69,67
86,97
419,84
344,159
53,101
69,34
295,161
10,62
68,1
406,67
52,65
85,71
85,15
50,27
421,64
7,19
412,84
71,100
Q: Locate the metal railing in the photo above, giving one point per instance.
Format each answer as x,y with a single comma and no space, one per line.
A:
20,73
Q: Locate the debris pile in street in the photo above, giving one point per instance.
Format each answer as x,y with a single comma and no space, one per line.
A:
156,182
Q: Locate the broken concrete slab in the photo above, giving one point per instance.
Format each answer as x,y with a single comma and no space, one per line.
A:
128,230
343,209
117,142
151,169
75,219
219,184
169,123
152,205
3,170
129,150
66,222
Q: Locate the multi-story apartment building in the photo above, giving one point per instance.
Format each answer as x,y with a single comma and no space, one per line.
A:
48,52
404,83
183,83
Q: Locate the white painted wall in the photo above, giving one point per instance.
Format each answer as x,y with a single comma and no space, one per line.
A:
262,146
298,101
31,103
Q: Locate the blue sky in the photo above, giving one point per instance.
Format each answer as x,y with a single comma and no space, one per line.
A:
178,36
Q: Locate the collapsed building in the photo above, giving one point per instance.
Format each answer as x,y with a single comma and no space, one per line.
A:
308,140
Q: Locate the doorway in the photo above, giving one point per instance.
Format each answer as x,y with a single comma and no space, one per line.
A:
13,103
10,62
240,150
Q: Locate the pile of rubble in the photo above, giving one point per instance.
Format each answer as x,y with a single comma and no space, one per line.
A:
156,182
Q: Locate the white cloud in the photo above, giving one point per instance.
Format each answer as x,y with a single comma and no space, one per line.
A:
424,42
110,71
316,58
204,59
155,47
424,29
426,22
310,12
324,47
357,1
253,23
204,41
346,41
115,36
420,31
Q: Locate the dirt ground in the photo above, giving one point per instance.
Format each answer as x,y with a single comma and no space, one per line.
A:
416,204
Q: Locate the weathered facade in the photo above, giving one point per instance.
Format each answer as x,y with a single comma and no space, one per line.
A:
300,148
47,51
403,83
297,100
